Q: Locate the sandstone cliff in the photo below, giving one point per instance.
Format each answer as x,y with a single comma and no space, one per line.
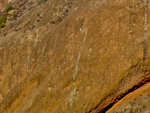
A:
75,56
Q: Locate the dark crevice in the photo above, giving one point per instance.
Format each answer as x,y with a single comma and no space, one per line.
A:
118,98
140,67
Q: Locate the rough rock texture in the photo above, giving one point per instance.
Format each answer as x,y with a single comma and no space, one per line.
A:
73,56
135,102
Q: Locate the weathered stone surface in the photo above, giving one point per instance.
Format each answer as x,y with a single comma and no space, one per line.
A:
135,102
72,56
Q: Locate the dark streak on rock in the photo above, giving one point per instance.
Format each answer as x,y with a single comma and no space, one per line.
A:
140,84
138,68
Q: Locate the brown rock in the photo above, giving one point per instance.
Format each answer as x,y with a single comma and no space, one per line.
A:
91,56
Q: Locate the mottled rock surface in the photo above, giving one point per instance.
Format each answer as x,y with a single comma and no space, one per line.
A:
73,56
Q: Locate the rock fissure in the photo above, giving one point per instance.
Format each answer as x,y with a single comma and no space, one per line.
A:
139,85
73,92
138,68
121,96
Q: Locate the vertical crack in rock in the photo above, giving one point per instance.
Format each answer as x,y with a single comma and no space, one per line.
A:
79,55
37,36
145,30
28,61
72,96
55,43
73,92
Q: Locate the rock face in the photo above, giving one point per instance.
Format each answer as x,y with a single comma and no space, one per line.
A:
73,56
1,5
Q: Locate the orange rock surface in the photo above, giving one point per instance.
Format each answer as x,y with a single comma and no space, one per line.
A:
73,56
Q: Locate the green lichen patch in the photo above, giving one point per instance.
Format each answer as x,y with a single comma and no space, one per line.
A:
3,21
9,8
6,15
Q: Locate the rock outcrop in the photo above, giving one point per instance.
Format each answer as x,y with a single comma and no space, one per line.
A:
75,56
